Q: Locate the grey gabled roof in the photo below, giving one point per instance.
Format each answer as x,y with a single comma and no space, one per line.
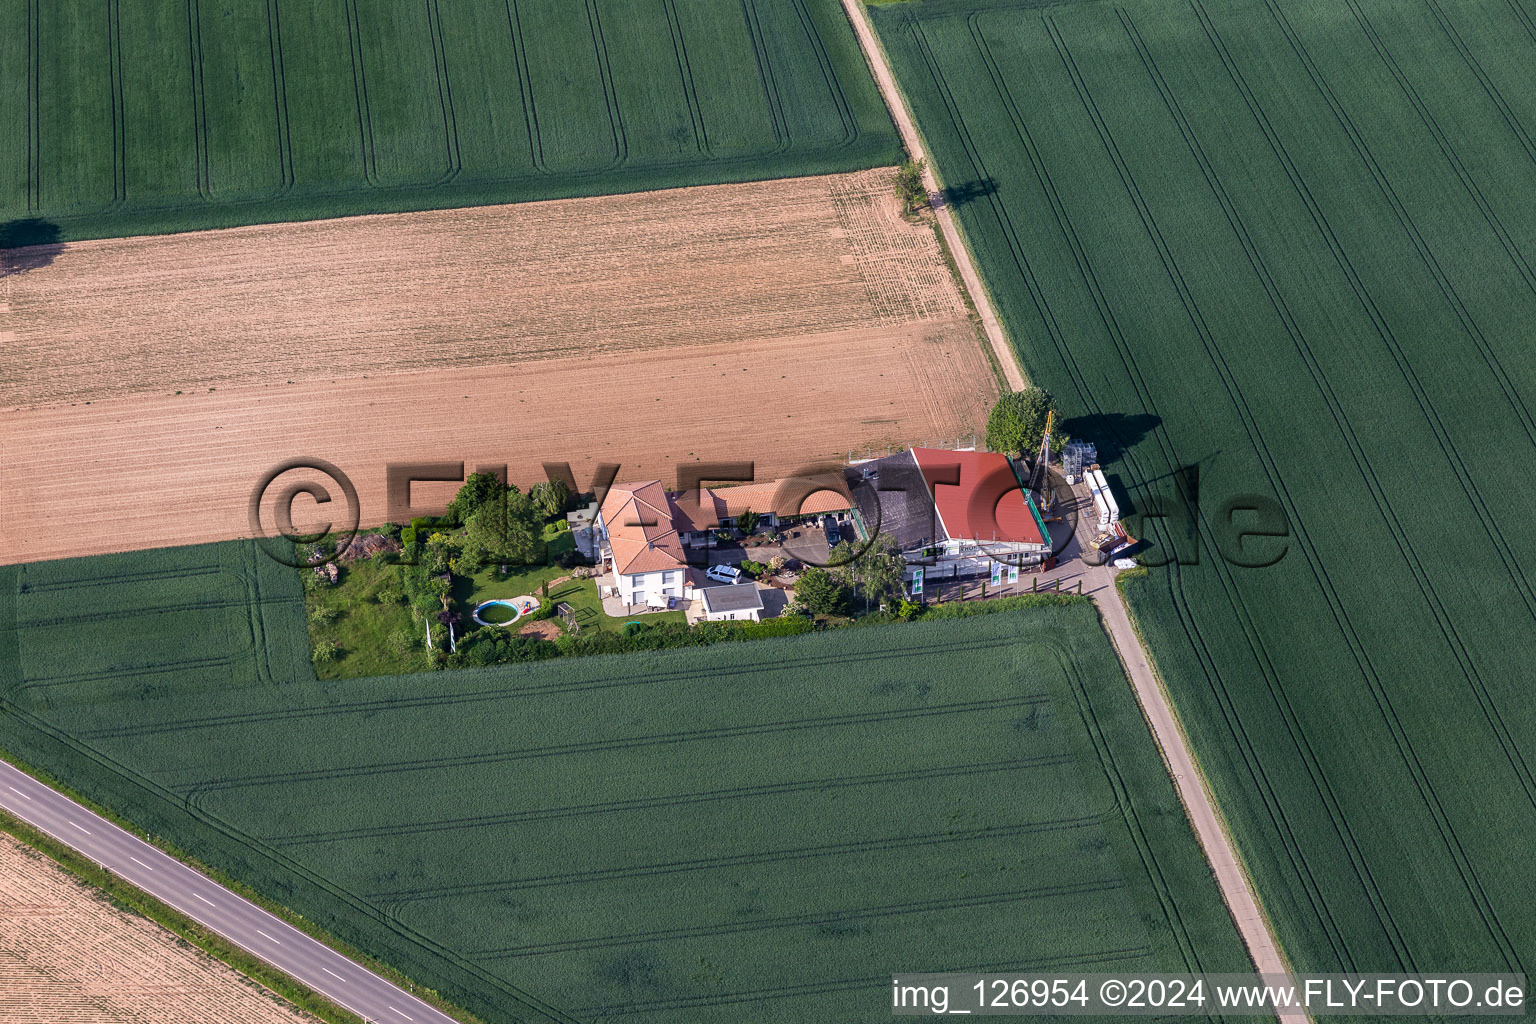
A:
898,503
732,598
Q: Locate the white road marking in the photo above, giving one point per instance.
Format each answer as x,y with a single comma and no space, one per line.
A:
146,867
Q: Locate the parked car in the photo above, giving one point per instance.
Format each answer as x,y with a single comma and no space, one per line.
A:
833,533
723,573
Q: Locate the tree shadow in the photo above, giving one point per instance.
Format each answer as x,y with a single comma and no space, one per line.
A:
1113,433
968,192
28,244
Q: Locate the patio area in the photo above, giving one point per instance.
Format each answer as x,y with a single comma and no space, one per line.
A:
614,607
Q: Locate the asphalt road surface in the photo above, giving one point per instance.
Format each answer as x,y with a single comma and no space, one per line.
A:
216,908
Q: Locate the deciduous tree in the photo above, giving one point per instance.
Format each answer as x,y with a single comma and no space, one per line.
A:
1017,423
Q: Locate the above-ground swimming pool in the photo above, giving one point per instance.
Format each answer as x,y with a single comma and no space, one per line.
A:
504,611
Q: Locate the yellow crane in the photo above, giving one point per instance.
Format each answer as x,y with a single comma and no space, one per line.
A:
1040,476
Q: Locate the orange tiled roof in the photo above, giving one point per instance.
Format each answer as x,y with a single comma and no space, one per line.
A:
644,520
766,496
642,528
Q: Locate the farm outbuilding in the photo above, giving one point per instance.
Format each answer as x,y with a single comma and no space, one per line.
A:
742,601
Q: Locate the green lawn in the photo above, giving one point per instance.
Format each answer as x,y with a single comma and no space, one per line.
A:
360,614
166,115
748,833
1290,243
489,584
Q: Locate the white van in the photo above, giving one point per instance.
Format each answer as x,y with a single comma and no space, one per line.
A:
723,573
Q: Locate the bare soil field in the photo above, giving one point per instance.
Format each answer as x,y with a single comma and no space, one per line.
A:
67,956
153,471
148,383
500,284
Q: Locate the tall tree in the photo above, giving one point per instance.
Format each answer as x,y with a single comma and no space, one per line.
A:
909,186
876,573
508,530
550,497
478,489
881,570
821,593
1017,423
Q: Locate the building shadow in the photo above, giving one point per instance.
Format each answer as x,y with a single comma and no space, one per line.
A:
28,244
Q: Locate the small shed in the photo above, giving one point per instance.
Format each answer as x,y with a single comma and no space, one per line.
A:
741,601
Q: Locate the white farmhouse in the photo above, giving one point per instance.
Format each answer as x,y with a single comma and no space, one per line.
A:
640,530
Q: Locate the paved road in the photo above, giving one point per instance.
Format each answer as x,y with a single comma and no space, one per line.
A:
952,237
1199,805
205,901
1097,582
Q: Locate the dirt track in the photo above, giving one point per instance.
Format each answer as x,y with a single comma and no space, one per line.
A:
150,382
69,957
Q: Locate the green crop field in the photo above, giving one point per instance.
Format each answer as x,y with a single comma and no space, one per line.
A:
169,115
760,831
1289,245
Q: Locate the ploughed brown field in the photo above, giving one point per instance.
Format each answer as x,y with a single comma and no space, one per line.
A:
67,956
149,383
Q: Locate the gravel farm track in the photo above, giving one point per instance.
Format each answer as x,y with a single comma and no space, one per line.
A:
67,956
150,382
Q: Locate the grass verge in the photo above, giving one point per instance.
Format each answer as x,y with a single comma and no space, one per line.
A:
131,898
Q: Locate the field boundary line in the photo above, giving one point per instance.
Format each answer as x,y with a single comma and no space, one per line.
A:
770,83
395,898
829,74
610,94
119,122
906,125
617,743
280,97
819,917
1107,956
199,99
360,93
685,70
34,92
525,86
444,92
1470,879
1256,933
675,800
1261,269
